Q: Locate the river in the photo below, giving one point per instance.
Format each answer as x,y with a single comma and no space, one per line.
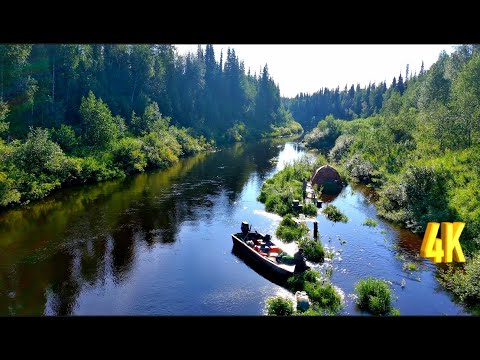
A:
159,243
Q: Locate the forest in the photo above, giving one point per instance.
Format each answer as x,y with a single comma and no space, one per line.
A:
80,113
417,144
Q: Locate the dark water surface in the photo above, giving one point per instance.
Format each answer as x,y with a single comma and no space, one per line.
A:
159,244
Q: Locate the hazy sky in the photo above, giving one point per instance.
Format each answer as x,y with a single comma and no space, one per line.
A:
307,68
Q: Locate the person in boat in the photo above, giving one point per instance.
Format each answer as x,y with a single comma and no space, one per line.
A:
300,262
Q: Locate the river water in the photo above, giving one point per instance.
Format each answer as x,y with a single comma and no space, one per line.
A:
159,243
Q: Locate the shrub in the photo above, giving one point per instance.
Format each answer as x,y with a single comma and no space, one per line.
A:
279,306
360,169
341,147
289,230
297,282
310,209
323,296
370,222
334,214
464,282
313,250
65,137
128,155
374,296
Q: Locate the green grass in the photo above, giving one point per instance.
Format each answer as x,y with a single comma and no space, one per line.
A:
370,222
409,266
278,192
279,306
334,214
464,283
289,230
374,296
313,250
324,298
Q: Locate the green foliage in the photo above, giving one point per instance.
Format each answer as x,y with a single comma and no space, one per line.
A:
236,133
297,282
360,169
310,209
127,153
286,126
324,135
464,282
323,296
313,250
279,306
99,127
409,266
95,170
65,137
334,214
189,144
341,147
374,296
279,192
370,222
289,230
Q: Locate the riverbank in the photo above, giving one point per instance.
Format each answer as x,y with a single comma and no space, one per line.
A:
158,243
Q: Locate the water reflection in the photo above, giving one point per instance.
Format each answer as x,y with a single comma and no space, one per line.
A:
86,235
159,244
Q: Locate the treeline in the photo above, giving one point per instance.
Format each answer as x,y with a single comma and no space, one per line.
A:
43,86
350,103
422,155
72,114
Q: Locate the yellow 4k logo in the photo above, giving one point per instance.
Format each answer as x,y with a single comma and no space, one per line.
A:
446,248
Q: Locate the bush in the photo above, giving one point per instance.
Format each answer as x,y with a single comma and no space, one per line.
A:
324,135
313,250
297,282
65,137
289,230
334,214
310,209
324,296
279,306
342,144
128,155
370,222
464,282
374,296
161,149
416,197
94,170
360,169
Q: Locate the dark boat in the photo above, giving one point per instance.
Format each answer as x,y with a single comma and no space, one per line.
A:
263,251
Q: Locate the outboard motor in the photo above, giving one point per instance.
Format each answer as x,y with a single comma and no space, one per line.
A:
244,228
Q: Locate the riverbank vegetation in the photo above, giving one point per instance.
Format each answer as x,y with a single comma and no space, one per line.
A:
334,214
323,297
417,143
279,192
375,297
289,230
79,113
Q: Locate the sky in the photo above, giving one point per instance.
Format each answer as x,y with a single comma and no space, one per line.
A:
307,68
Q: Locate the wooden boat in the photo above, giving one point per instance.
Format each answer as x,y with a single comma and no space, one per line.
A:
263,251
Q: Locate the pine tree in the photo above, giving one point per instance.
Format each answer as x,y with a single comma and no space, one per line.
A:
400,85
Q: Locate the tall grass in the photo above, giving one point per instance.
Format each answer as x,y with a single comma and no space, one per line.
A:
313,250
279,306
374,296
334,214
289,230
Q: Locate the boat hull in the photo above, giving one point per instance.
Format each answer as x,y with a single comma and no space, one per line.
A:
264,265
